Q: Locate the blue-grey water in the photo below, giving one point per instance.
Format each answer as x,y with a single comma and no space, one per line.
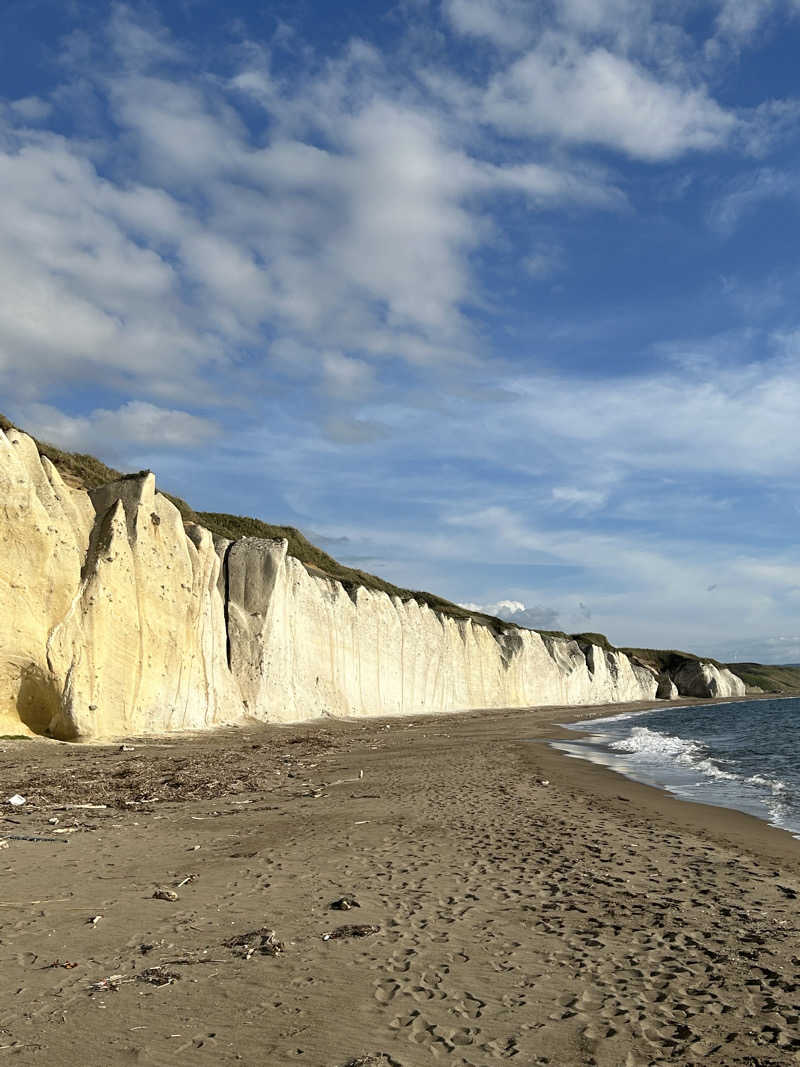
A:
744,755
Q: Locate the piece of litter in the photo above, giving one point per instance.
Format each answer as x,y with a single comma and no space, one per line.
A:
4,844
46,840
262,940
165,894
81,807
67,830
186,880
361,822
93,920
126,748
158,976
344,904
110,984
54,821
66,965
357,930
16,800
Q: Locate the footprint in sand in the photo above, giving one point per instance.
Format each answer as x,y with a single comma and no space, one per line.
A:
386,991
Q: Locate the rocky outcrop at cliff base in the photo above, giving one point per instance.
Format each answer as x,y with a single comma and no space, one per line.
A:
695,678
118,619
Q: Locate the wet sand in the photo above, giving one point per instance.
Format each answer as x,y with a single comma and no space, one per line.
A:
531,908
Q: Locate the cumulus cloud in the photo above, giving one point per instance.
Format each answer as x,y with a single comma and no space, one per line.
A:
515,611
190,232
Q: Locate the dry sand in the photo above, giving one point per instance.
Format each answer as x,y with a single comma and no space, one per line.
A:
588,920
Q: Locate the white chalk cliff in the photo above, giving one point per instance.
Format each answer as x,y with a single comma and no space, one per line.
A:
117,619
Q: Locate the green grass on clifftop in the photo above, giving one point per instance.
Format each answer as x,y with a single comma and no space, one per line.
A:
772,679
83,471
87,472
668,659
234,527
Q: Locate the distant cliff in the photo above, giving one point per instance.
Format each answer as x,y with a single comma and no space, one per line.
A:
117,617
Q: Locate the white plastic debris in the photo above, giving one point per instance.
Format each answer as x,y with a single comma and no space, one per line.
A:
16,800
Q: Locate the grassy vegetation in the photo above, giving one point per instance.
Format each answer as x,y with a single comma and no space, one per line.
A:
555,634
234,527
666,659
83,471
595,639
76,468
772,679
87,472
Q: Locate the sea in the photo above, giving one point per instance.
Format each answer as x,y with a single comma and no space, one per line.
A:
743,755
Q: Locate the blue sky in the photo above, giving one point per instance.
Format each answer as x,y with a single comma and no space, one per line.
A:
494,298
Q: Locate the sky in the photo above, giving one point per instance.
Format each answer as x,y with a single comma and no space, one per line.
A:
494,298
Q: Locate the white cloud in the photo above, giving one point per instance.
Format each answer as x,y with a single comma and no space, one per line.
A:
31,108
660,592
135,423
504,22
769,124
594,16
592,96
83,296
740,419
781,649
748,193
579,500
345,377
348,431
515,611
545,261
148,261
739,19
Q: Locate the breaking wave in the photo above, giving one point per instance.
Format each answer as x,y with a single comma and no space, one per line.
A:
735,755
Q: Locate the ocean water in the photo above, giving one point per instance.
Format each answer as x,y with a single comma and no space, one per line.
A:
744,755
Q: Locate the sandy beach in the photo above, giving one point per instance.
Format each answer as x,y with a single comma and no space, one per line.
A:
513,904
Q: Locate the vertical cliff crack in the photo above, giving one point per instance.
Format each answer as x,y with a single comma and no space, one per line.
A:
226,600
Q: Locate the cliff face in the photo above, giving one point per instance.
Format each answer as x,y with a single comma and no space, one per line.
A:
111,621
116,619
697,679
301,647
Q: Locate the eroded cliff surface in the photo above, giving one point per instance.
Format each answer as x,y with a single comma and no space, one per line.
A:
111,620
117,619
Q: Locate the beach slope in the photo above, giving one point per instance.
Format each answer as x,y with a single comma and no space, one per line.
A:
529,908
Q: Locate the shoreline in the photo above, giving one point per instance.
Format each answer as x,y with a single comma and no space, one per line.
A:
588,921
587,735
